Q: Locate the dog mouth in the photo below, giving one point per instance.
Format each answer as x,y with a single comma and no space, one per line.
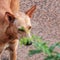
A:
28,34
29,42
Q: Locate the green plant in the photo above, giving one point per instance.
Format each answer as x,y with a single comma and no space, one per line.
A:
41,46
25,41
21,28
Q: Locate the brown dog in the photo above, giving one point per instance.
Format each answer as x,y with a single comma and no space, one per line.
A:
10,21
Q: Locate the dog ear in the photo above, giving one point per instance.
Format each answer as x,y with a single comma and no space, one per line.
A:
10,17
30,11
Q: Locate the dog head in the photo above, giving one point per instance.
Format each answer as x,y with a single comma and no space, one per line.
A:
24,21
7,27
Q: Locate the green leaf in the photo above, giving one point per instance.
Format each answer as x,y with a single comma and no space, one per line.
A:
33,52
21,29
45,49
58,44
52,47
24,41
58,55
50,58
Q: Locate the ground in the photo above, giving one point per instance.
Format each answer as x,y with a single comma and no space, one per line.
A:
45,23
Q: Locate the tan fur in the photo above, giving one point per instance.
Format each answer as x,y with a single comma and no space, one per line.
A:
8,31
9,10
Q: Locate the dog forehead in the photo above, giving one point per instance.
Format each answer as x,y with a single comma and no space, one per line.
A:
22,19
23,16
27,18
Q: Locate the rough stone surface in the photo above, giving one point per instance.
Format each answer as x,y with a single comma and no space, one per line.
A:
45,23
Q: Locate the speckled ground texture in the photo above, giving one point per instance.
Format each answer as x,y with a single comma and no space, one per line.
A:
45,23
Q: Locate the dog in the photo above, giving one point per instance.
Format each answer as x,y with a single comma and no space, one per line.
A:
11,19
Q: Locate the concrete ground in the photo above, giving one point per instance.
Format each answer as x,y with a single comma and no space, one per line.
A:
45,23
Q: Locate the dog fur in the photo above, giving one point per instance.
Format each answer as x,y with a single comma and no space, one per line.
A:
8,30
10,20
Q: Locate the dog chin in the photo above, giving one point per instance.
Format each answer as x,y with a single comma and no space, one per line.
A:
29,35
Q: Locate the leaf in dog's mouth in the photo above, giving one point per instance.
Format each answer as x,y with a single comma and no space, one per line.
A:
25,41
21,29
